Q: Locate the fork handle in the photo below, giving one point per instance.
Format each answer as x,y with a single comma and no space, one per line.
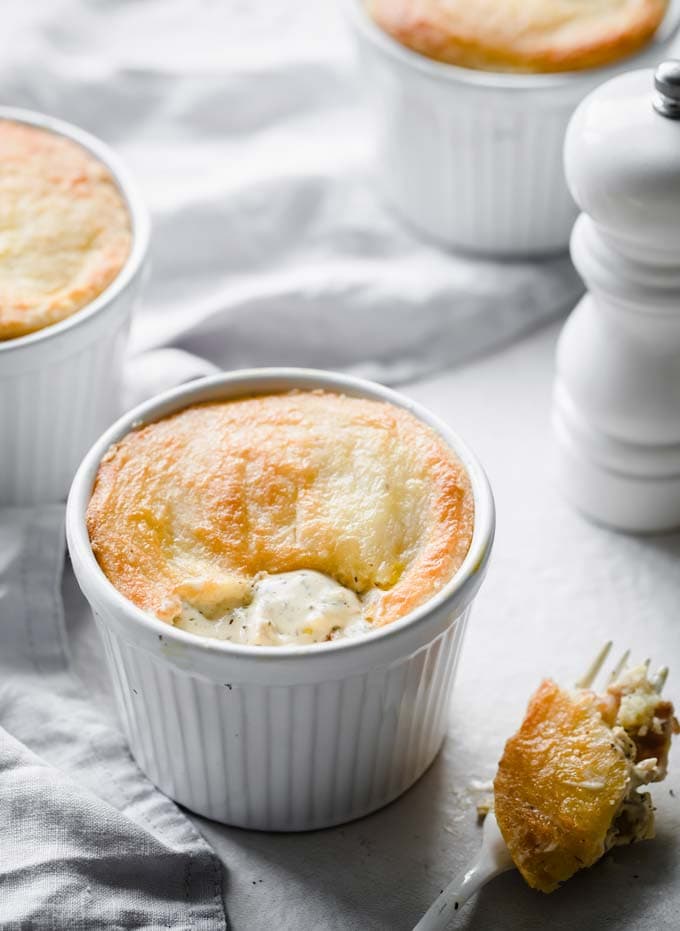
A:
493,858
456,894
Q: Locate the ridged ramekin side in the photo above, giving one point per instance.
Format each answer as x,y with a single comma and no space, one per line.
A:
53,407
473,158
473,168
285,757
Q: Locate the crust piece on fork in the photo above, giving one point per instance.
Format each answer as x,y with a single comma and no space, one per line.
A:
566,790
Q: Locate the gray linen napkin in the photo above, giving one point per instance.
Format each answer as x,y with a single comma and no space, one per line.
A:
86,841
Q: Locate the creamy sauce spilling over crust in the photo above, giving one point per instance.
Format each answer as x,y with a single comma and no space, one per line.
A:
289,608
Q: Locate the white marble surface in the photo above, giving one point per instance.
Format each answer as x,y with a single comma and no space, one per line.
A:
557,588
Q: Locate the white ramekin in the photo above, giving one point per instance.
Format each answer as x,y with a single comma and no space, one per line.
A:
281,738
474,158
59,386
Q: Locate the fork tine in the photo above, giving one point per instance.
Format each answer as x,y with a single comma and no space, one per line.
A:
587,680
620,666
659,680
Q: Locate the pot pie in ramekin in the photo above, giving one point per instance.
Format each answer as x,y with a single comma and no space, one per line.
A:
521,35
65,230
471,100
292,735
286,518
74,234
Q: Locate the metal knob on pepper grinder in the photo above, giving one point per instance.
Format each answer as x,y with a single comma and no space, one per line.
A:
616,406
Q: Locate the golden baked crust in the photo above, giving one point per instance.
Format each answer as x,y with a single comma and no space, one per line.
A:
521,35
64,228
194,506
552,822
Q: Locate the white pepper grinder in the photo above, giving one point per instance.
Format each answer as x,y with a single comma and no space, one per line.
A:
616,406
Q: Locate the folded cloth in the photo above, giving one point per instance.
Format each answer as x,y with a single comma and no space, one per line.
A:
87,842
244,125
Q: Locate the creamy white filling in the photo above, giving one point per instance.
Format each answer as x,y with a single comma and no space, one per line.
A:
289,608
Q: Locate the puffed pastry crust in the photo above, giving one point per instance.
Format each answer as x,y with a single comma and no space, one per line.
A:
521,35
64,228
191,508
551,819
